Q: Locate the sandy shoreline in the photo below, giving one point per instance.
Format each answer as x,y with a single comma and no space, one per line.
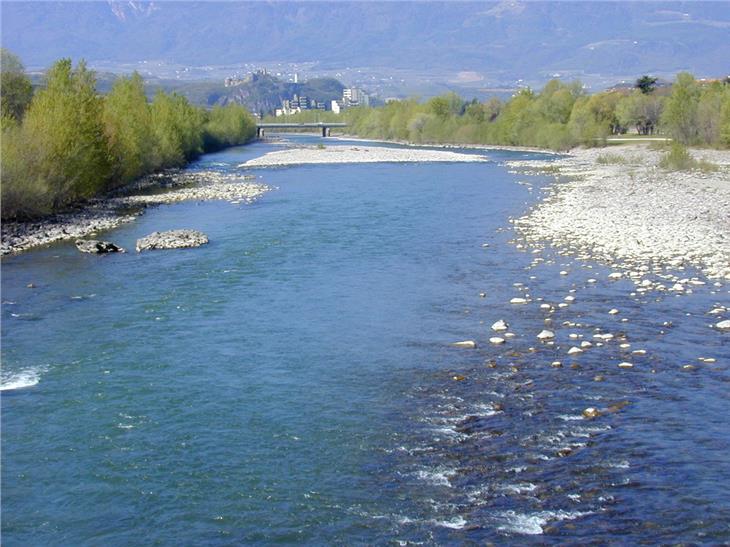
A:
109,212
617,206
356,154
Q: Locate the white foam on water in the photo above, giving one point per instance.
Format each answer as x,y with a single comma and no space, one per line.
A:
569,418
477,495
449,432
618,465
21,379
532,524
456,523
485,410
521,488
437,477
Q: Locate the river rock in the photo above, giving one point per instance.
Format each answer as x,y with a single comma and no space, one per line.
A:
500,325
172,239
466,344
546,335
518,301
94,246
723,325
591,413
496,340
574,350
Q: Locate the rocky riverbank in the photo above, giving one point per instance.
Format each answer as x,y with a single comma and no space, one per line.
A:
125,205
356,154
618,206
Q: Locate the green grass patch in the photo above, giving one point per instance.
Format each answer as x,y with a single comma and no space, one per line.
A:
611,159
679,159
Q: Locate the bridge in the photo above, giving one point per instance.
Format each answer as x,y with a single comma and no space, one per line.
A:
324,126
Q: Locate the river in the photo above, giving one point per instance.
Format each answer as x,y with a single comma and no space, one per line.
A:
293,381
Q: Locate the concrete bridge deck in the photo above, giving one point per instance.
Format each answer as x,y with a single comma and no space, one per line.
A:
324,126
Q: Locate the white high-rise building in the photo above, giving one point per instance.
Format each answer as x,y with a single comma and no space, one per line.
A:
354,96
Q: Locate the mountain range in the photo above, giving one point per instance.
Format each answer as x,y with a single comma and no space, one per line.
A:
495,41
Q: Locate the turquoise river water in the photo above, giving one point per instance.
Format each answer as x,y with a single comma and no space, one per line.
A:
293,381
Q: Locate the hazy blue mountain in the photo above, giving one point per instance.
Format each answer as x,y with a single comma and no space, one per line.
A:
510,38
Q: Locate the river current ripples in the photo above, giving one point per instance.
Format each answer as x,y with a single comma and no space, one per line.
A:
294,380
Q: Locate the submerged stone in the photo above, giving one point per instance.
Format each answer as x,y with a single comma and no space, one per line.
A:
591,413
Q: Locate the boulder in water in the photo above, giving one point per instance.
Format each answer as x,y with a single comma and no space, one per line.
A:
591,413
172,239
500,325
94,246
467,344
723,325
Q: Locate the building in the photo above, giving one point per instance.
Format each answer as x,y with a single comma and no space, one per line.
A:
354,96
335,107
297,104
234,81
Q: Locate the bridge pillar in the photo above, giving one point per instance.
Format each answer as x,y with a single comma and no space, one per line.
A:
324,131
258,132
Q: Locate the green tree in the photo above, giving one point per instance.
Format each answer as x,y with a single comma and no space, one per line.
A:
439,107
724,139
680,111
16,90
646,84
128,127
63,130
227,126
178,129
710,113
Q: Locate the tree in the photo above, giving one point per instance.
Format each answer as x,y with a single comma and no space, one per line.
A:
710,113
641,111
128,127
227,126
439,107
646,84
63,130
16,90
725,118
680,112
178,129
